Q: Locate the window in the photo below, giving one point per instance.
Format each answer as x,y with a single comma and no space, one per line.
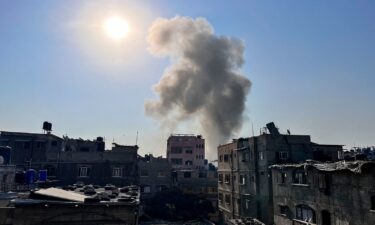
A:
227,199
373,202
220,197
305,213
84,172
176,150
283,209
54,143
283,155
226,158
281,178
189,151
227,179
299,177
244,156
221,158
146,189
188,163
176,161
161,187
187,174
220,178
242,179
247,202
261,155
144,173
117,172
161,174
322,181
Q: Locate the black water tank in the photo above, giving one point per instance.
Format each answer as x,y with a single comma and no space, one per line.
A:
47,126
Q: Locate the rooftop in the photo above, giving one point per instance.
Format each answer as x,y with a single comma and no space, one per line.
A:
81,195
352,166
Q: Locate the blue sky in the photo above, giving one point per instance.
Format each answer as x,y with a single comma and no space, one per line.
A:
312,65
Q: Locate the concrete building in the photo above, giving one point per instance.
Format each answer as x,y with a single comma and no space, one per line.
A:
30,148
203,182
68,160
154,175
340,193
245,182
186,151
116,166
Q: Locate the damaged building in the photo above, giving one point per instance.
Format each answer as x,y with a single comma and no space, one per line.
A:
336,193
245,181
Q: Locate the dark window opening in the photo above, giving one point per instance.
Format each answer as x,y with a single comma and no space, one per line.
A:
299,177
373,202
283,209
187,174
326,217
305,213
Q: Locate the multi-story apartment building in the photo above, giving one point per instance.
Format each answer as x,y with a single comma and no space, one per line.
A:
186,151
245,181
324,193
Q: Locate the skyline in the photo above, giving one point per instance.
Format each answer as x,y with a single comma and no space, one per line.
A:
311,67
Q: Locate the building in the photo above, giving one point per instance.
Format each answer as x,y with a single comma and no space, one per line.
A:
245,221
68,160
116,166
186,151
203,182
154,175
57,206
245,182
31,148
324,193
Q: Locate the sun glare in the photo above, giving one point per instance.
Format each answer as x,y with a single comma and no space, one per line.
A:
116,28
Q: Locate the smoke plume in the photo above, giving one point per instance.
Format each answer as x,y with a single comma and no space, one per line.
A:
203,81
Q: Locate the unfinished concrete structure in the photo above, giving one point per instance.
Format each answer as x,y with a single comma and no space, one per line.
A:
245,182
154,175
340,193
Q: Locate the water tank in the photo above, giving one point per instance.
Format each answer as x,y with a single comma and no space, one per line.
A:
43,175
47,126
30,176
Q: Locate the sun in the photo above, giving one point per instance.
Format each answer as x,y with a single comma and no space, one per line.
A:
116,28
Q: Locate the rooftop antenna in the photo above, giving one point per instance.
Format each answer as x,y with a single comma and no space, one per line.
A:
136,139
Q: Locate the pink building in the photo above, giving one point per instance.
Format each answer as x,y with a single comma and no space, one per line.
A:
186,151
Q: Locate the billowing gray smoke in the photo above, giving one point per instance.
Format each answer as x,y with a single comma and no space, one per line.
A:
203,82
